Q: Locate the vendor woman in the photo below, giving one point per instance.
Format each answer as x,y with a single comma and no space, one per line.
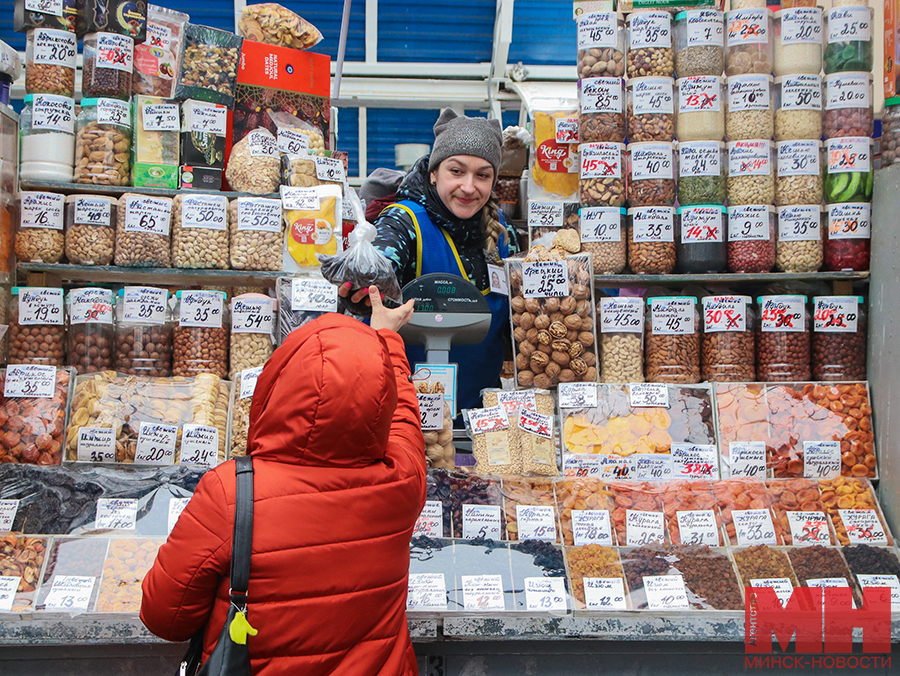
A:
445,220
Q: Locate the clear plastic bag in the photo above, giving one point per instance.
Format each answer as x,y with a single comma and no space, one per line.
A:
276,25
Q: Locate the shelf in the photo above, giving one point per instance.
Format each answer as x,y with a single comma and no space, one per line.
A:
57,274
117,190
612,281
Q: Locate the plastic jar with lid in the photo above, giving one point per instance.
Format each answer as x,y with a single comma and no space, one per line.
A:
143,332
890,132
849,38
651,105
782,345
799,178
108,65
751,238
798,107
849,169
650,52
602,179
701,108
37,326
702,172
848,105
672,353
201,333
651,174
651,240
728,347
602,116
621,322
839,330
103,142
699,42
50,62
748,41
91,331
200,231
602,237
143,231
700,239
47,138
90,229
848,236
601,45
748,4
800,241
253,319
751,172
798,41
750,107
40,236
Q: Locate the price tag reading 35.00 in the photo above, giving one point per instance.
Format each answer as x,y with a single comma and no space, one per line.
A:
29,381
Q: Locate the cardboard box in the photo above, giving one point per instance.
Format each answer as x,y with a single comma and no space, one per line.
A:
891,48
201,178
125,17
65,19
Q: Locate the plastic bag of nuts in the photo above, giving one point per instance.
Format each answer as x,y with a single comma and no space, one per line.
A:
699,42
799,247
798,107
800,170
40,235
651,174
601,45
252,331
254,166
750,111
255,227
751,172
90,229
602,237
839,338
728,348
553,333
439,450
782,346
651,109
143,332
602,116
650,44
530,415
273,24
108,65
492,444
547,219
50,62
702,172
621,322
651,240
103,142
143,231
751,238
239,411
37,330
673,341
31,426
602,178
200,232
91,332
208,65
748,47
201,335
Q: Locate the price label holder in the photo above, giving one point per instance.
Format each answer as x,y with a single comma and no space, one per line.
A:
591,527
747,459
545,279
649,395
431,520
697,461
536,522
156,444
426,591
642,527
546,594
313,295
90,306
650,467
481,522
96,444
665,592
698,527
248,381
780,585
581,465
204,211
8,588
863,527
754,527
29,381
116,514
8,509
431,410
70,593
483,592
821,459
866,581
604,593
577,395
783,313
598,95
199,446
176,507
809,528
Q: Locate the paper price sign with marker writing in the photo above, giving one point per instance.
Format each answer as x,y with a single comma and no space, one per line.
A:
672,317
604,593
176,507
545,593
145,304
514,401
614,466
249,378
426,591
96,444
204,211
601,160
40,306
595,29
780,585
116,514
536,522
642,527
431,411
483,592
652,224
545,214
577,395
849,154
849,221
199,446
601,224
581,465
754,527
653,96
160,117
156,443
599,95
821,459
591,527
537,424
481,522
649,395
836,314
147,215
863,526
491,419
209,119
652,161
724,313
698,527
70,593
545,279
809,528
329,169
748,459
8,588
201,308
91,210
292,142
54,7
431,520
567,130
42,210
8,509
253,315
695,460
649,467
822,583
29,380
665,592
621,315
702,224
890,581
313,295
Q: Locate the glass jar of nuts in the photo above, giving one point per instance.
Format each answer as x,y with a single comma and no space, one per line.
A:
103,142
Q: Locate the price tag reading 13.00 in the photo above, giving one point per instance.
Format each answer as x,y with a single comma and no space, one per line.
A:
545,279
545,593
70,593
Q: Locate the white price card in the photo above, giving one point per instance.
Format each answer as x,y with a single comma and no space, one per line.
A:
156,444
847,90
702,224
160,117
431,411
801,92
209,119
623,467
596,29
809,528
248,381
581,465
91,210
801,26
53,113
699,94
849,221
649,467
40,306
329,169
53,7
491,419
850,154
750,223
262,143
700,158
696,461
147,215
747,459
601,160
600,95
821,583
749,158
850,24
426,591
199,446
652,224
780,585
748,92
8,588
483,592
863,527
577,395
798,158
652,96
8,509
545,279
292,142
650,30
536,522
253,315
536,424
698,527
754,527
665,592
481,522
747,26
29,381
96,444
42,210
259,213
90,306
621,315
821,459
545,594
649,394
114,51
313,295
642,527
515,401
114,111
204,211
836,314
800,223
591,527
650,161
201,308
673,317
53,47
724,313
431,520
889,581
145,304
176,507
545,214
566,129
604,593
705,27
116,514
601,224
70,593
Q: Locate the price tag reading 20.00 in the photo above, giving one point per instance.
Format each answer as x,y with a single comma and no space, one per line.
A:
156,444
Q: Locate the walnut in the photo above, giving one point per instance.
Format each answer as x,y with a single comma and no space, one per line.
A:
522,362
519,334
561,358
591,375
553,369
589,358
542,381
557,330
532,305
583,278
556,317
568,305
586,338
539,361
582,308
525,378
527,320
579,368
551,305
580,291
531,335
518,304
566,376
587,324
545,348
541,322
572,335
517,319
544,337
568,239
575,349
573,322
526,347
561,344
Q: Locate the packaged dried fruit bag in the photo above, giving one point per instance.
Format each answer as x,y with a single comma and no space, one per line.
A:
312,219
554,164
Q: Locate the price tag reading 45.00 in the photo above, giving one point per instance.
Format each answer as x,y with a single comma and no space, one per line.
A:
545,279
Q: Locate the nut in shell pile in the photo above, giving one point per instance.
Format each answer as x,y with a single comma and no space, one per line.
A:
439,450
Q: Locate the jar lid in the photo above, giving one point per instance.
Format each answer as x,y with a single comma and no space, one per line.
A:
28,98
690,298
893,101
88,102
859,299
221,293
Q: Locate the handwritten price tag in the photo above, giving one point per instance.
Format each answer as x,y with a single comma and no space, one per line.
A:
890,581
863,526
652,96
601,224
262,144
821,583
53,113
292,142
91,210
545,214
580,465
836,314
780,585
329,169
699,94
801,25
70,593
705,27
42,210
665,592
431,411
199,446
156,444
208,118
115,51
431,520
116,514
650,468
754,527
652,224
176,507
695,461
483,592
649,395
847,90
598,95
724,313
90,306
673,317
253,315
536,522
491,419
798,158
147,215
849,154
8,587
545,594
751,223
700,158
8,509
515,401
426,591
145,305
650,29
29,381
545,279
96,444
849,23
642,527
849,221
622,467
821,459
747,26
621,315
801,92
652,161
577,395
566,130
248,381
799,223
160,117
52,7
604,593
204,211
114,111
809,528
748,92
313,295
595,29
749,158
259,213
200,308
591,527
702,224
601,160
537,424
481,522
698,528
40,306
747,459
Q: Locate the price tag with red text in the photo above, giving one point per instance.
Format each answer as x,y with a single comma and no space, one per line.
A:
836,314
863,526
702,224
809,528
695,461
724,313
483,592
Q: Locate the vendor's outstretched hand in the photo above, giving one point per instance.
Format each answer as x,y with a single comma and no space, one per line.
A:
383,318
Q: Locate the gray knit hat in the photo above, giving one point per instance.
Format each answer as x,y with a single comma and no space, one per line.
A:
476,136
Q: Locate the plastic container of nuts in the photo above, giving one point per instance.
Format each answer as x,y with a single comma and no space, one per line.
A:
208,65
701,108
799,179
728,349
848,236
46,138
798,107
848,105
602,116
700,238
849,38
702,172
621,340
560,326
839,338
90,229
751,238
91,331
651,174
201,334
782,346
40,235
256,228
108,66
103,142
748,41
50,62
200,232
651,105
890,132
37,328
750,109
799,247
651,240
699,42
601,45
751,172
253,320
602,237
143,227
143,332
650,50
672,351
546,220
602,178
849,169
798,41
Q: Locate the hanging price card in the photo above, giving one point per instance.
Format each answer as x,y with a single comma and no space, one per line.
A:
702,224
431,520
599,95
642,528
849,23
597,29
698,527
481,522
96,444
754,527
849,154
577,395
847,90
114,111
70,593
147,215
42,210
248,381
29,381
329,169
672,317
426,591
253,315
90,306
545,279
699,94
591,527
748,92
747,459
601,160
209,119
809,528
114,51
313,295
545,214
292,142
798,158
801,26
116,514
724,313
705,28
799,223
259,213
863,527
890,581
650,161
801,92
536,522
204,211
650,29
601,224
652,224
536,424
747,26
604,593
200,308
176,507
700,158
849,221
780,585
199,446
622,467
431,410
160,117
8,588
750,223
156,444
649,394
652,96
144,304
695,460
749,158
581,465
53,113
821,459
8,509
483,592
836,314
545,594
621,315
262,144
491,419
53,47
665,592
91,210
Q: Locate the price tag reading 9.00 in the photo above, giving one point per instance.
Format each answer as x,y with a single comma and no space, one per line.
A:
204,211
751,223
147,215
724,313
200,308
145,304
600,95
253,315
40,306
545,214
652,224
783,313
621,315
849,154
673,316
849,221
702,224
601,224
836,314
160,117
601,160
800,223
545,279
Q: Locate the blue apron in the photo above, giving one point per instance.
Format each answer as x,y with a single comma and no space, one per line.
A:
479,365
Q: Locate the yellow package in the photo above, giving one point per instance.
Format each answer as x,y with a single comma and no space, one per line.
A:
310,229
554,165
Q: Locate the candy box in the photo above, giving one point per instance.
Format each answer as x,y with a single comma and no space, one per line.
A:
59,14
126,17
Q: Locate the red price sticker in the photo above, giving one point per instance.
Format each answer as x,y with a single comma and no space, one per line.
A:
601,160
836,314
700,93
783,313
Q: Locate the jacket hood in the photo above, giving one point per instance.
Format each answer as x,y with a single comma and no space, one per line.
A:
326,397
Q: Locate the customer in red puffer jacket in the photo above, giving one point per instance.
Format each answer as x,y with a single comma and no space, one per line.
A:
339,483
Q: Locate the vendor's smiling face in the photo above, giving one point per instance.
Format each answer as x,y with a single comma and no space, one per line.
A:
464,184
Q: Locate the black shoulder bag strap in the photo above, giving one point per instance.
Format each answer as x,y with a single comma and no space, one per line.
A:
243,532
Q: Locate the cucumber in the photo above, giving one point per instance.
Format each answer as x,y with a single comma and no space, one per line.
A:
870,182
839,183
846,195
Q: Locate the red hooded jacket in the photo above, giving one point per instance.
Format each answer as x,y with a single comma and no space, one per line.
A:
339,483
